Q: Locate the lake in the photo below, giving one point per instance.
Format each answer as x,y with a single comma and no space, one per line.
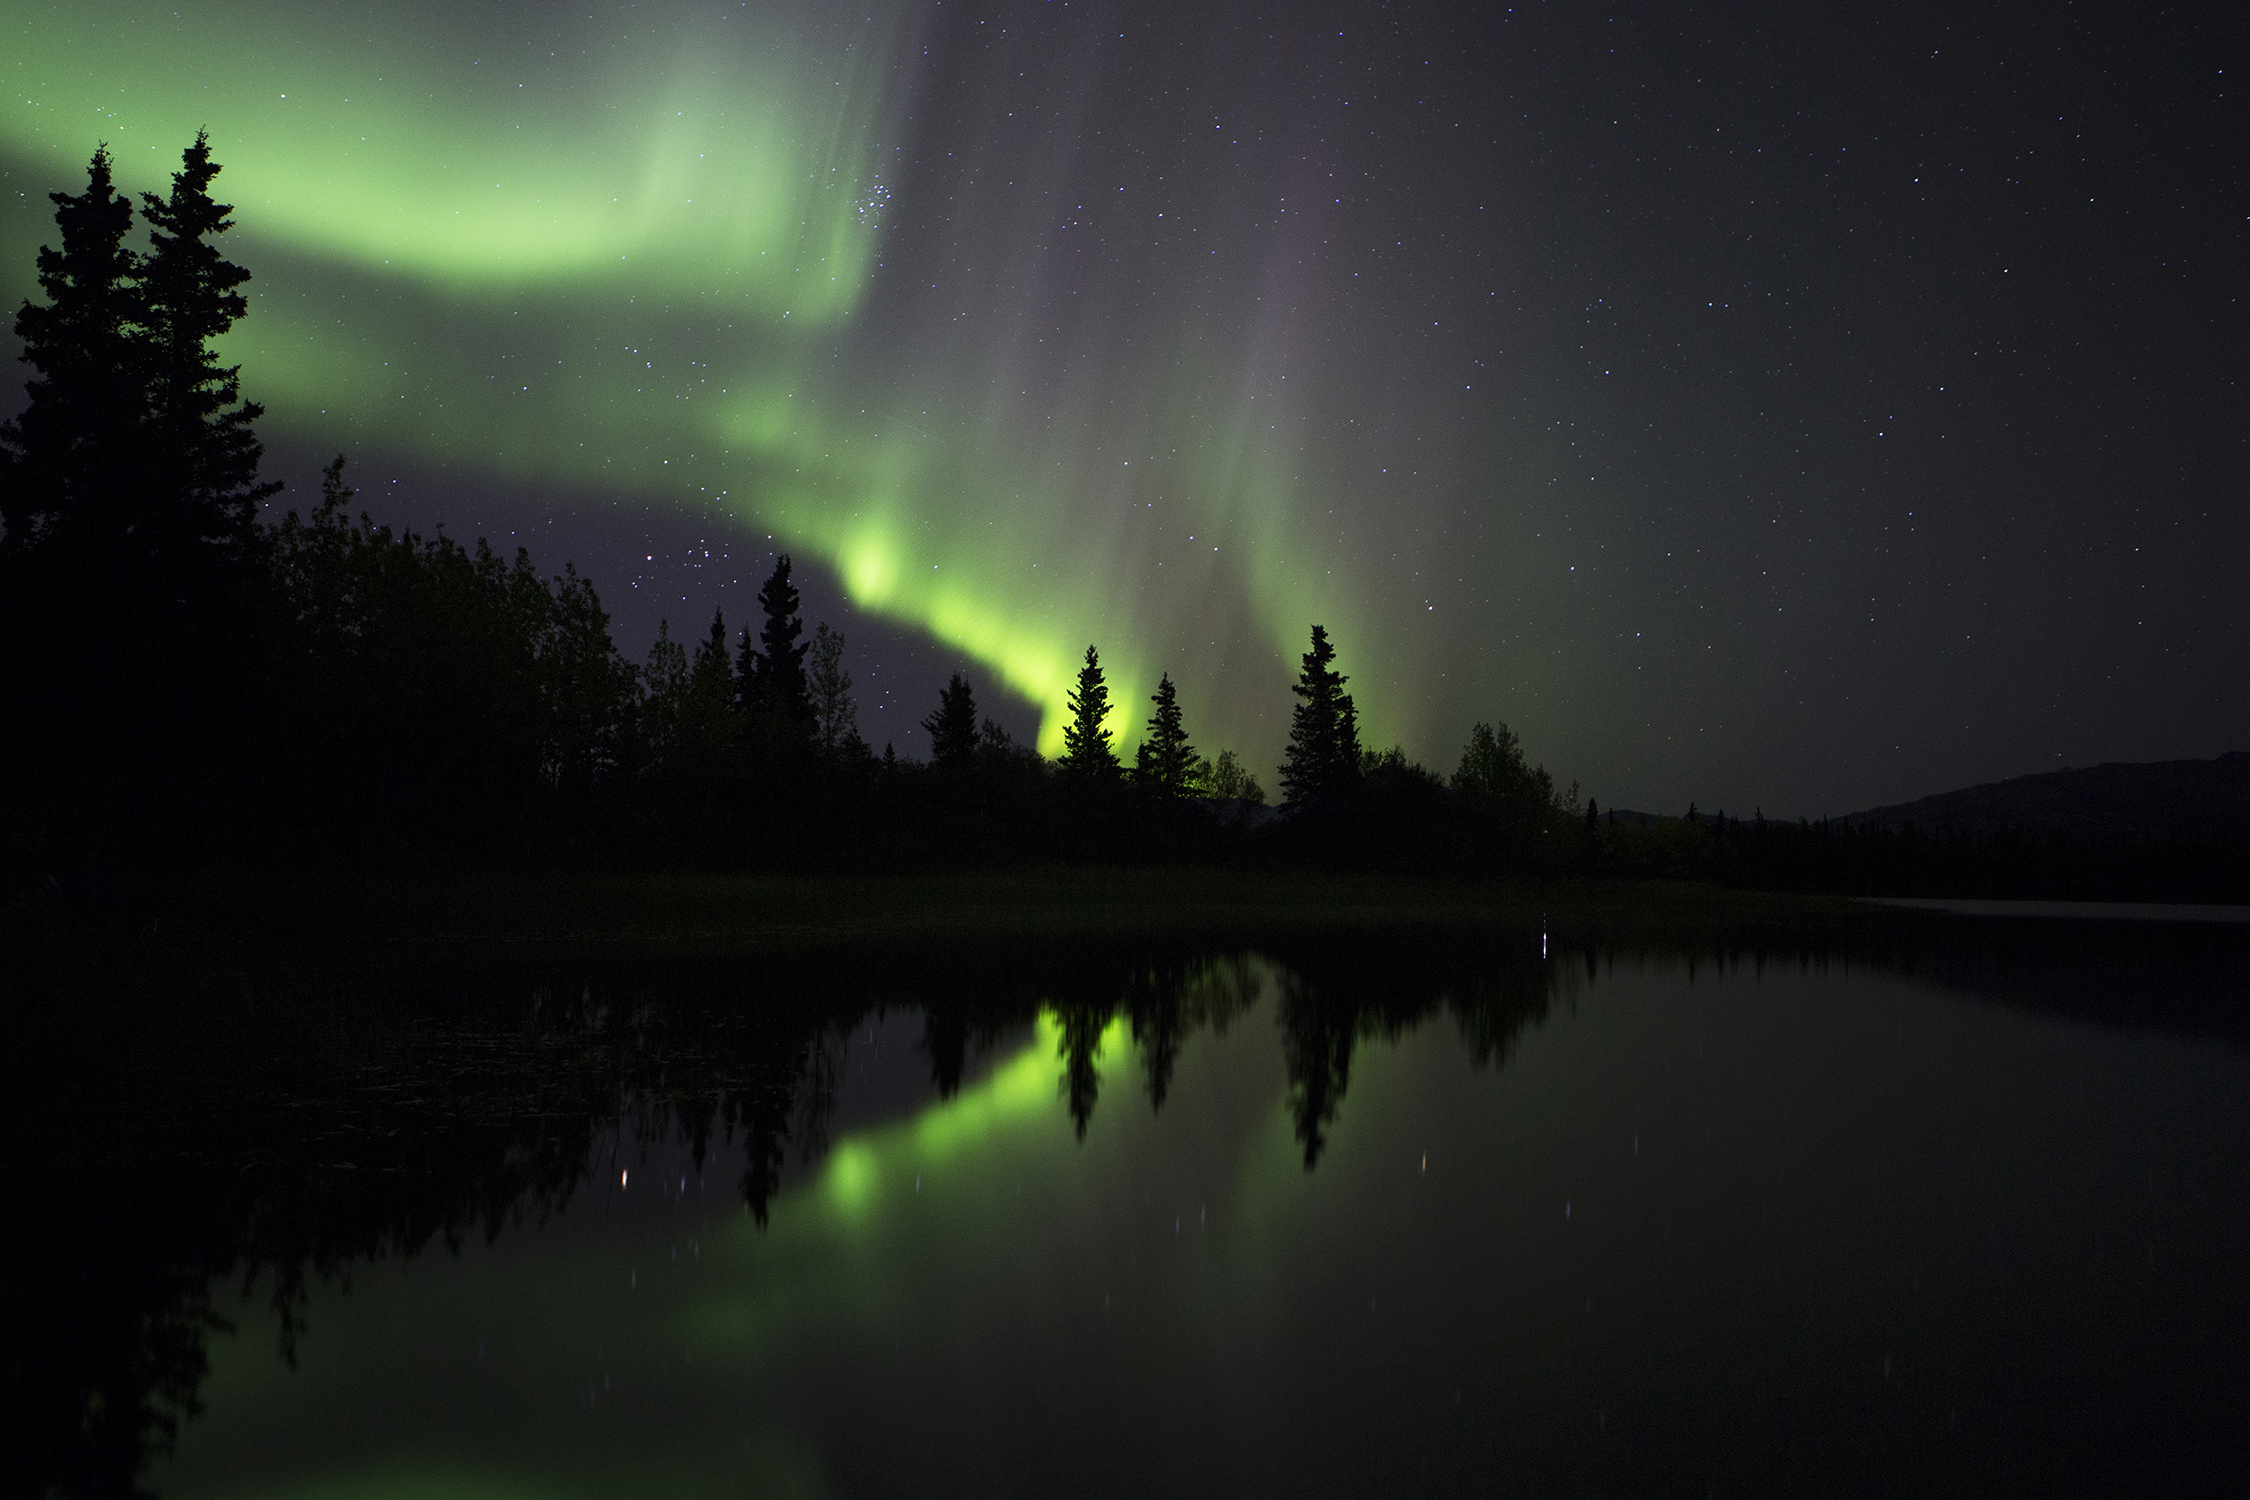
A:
1920,1205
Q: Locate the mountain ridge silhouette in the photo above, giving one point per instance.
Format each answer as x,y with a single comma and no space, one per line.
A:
2190,800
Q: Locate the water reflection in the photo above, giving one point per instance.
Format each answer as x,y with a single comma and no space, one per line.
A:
464,1108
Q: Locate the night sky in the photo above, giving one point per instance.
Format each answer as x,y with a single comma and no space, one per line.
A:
1806,414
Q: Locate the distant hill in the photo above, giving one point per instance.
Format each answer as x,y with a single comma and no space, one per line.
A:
2161,800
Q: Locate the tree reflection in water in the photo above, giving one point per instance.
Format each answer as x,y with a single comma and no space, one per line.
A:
169,1153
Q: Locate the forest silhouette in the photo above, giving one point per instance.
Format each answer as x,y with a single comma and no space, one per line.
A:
192,687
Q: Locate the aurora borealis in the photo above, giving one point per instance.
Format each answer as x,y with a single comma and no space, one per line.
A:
1814,418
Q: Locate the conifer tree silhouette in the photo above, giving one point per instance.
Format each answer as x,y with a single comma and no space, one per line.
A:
136,446
202,454
130,504
773,674
953,728
1166,764
1322,761
67,457
1086,748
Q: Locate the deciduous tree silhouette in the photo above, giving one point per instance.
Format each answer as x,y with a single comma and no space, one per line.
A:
828,687
444,692
663,704
712,725
1498,787
1228,779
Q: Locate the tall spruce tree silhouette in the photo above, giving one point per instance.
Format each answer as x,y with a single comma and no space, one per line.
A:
1323,759
953,728
1086,748
135,447
68,457
773,674
1165,764
131,508
202,456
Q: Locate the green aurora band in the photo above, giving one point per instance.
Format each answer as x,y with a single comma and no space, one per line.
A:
625,260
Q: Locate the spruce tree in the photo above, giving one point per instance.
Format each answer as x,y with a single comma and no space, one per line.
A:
130,502
1086,747
1166,764
713,679
773,675
202,453
67,458
953,728
1322,762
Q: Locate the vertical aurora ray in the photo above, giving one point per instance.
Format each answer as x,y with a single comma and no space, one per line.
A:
667,255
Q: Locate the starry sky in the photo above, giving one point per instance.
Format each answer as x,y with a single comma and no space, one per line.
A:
1803,414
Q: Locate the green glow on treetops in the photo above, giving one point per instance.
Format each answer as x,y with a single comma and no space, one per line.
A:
641,260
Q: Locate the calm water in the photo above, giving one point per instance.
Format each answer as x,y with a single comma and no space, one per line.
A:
1937,1207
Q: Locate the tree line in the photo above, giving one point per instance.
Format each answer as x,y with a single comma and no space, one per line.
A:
187,685
192,684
